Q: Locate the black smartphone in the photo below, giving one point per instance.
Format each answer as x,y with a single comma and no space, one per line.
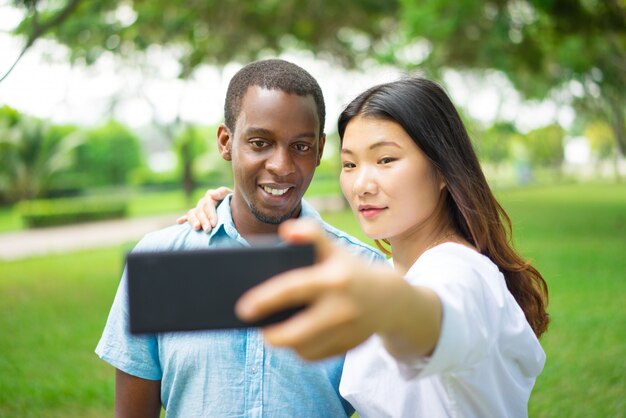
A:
197,290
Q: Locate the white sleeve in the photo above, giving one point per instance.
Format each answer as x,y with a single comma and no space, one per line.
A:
471,318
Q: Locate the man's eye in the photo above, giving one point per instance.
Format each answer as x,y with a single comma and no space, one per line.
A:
257,143
302,147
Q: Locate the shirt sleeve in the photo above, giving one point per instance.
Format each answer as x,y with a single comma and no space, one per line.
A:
133,354
470,327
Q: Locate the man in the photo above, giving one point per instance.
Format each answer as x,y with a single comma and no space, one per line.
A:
273,136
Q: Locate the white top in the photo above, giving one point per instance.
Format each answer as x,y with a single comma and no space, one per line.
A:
485,362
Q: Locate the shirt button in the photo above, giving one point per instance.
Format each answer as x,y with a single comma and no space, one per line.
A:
254,369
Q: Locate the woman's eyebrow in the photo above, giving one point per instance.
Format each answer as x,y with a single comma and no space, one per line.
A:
384,144
373,146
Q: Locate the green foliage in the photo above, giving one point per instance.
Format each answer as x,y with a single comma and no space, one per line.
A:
9,116
32,154
189,145
145,177
107,157
494,143
215,32
545,146
540,45
601,138
330,165
50,212
193,142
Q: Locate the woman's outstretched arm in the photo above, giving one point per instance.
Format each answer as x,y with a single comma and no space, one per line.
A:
348,300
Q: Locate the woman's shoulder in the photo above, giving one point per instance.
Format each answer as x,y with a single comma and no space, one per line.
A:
452,253
453,262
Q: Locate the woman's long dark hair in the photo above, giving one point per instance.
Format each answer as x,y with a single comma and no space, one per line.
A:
426,113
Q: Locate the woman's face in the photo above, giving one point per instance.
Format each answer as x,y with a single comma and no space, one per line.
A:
392,187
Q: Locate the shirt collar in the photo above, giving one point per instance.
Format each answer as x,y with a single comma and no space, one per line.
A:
309,212
226,225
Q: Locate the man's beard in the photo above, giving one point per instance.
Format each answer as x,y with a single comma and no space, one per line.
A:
273,219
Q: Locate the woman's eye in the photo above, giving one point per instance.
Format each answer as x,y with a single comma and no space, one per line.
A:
386,160
348,164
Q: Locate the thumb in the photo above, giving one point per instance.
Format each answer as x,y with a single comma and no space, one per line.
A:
301,231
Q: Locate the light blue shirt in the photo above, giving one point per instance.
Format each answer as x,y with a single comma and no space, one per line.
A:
226,373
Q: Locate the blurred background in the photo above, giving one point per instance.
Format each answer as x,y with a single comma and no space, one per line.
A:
108,114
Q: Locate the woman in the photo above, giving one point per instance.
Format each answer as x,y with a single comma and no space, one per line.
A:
453,329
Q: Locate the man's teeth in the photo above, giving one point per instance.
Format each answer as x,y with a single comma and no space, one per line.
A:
275,192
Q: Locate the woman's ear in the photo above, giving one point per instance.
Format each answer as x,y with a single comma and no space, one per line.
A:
224,142
440,179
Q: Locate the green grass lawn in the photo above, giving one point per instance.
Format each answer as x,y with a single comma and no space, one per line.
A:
577,238
52,310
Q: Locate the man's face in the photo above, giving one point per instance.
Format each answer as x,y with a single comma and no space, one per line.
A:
274,150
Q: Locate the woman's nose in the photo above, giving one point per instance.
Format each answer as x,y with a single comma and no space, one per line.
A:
365,182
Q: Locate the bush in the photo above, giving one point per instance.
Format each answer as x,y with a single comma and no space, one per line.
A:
32,154
107,157
50,212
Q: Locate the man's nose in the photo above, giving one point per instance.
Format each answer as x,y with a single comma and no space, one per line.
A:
280,163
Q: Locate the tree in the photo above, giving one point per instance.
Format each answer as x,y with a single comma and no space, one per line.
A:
545,47
545,146
600,137
212,31
542,46
495,142
32,152
107,157
190,144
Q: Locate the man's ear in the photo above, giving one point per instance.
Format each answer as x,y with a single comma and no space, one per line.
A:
320,148
224,142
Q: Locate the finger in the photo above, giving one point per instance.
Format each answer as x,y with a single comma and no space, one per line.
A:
331,343
307,325
220,193
318,332
294,288
300,231
201,216
193,220
209,213
212,199
182,219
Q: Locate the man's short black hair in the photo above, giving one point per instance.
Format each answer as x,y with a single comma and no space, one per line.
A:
272,74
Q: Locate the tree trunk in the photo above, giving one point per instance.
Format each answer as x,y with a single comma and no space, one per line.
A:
187,160
618,122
